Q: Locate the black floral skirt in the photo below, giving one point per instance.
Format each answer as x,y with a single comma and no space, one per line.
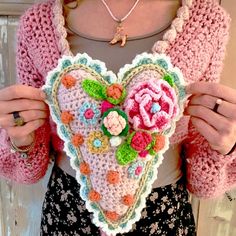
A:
167,213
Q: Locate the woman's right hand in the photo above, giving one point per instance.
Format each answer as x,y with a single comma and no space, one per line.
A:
29,102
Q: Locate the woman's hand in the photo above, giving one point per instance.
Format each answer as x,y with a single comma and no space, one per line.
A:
219,128
29,102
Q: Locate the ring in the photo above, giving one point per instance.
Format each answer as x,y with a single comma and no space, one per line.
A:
217,104
18,120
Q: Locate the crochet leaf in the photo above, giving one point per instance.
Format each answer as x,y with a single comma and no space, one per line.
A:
168,78
94,89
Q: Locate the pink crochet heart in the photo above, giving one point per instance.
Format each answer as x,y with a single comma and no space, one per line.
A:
115,129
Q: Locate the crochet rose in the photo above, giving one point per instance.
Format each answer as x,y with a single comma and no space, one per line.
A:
140,141
151,105
115,122
116,93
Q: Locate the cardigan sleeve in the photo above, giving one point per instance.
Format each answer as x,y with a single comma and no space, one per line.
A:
207,170
12,166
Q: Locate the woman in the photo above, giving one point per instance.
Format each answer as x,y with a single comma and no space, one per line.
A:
195,41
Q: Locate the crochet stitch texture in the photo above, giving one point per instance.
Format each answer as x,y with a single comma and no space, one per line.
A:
195,43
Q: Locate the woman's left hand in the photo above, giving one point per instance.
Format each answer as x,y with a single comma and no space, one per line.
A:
218,127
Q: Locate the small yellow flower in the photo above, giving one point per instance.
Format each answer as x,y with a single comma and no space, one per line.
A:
97,142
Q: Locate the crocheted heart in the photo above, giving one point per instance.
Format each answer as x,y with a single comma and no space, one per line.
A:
115,129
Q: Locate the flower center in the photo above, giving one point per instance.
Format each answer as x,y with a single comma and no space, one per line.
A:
88,114
155,107
97,143
138,170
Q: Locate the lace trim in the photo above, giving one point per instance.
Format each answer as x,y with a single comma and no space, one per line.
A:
161,46
59,22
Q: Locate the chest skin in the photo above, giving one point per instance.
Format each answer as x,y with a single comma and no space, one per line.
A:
92,18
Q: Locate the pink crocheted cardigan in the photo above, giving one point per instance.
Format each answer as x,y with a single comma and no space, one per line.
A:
195,43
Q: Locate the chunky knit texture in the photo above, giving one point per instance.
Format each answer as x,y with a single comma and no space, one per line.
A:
195,43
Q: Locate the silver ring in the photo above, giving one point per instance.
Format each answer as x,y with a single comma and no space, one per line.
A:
217,104
18,120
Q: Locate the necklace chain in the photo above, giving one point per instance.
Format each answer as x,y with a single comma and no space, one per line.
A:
115,18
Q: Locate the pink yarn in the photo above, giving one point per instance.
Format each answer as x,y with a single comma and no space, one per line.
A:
114,123
160,46
105,106
183,13
139,104
143,154
89,114
178,24
140,141
198,51
170,35
138,170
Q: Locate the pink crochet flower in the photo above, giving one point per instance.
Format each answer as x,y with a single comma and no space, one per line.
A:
106,106
151,105
140,141
143,154
114,123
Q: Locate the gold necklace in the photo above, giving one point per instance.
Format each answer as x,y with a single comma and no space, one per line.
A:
120,34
